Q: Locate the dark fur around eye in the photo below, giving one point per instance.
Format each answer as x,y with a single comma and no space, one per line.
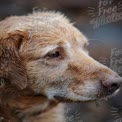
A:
54,54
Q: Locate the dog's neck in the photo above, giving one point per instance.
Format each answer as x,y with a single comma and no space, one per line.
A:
17,104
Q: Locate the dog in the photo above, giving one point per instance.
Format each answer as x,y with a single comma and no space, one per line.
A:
44,63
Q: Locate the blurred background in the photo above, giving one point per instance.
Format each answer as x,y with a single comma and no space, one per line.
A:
101,22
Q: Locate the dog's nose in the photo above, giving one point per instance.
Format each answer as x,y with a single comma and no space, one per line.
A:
112,84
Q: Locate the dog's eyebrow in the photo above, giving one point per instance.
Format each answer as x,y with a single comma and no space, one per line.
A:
49,48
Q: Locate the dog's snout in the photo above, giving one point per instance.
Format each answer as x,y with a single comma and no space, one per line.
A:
112,84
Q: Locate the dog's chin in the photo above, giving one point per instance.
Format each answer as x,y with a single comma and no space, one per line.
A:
68,100
101,96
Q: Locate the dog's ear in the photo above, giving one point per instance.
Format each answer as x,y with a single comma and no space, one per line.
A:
11,65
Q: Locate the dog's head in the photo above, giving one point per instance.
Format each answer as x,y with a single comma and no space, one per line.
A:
56,60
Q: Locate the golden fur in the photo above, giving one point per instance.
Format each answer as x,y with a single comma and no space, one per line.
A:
43,63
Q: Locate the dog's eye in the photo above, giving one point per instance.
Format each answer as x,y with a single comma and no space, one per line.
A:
54,55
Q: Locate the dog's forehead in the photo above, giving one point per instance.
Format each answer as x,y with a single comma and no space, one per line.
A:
62,41
51,29
62,35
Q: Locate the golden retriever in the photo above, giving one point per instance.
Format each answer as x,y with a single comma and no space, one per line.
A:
43,63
